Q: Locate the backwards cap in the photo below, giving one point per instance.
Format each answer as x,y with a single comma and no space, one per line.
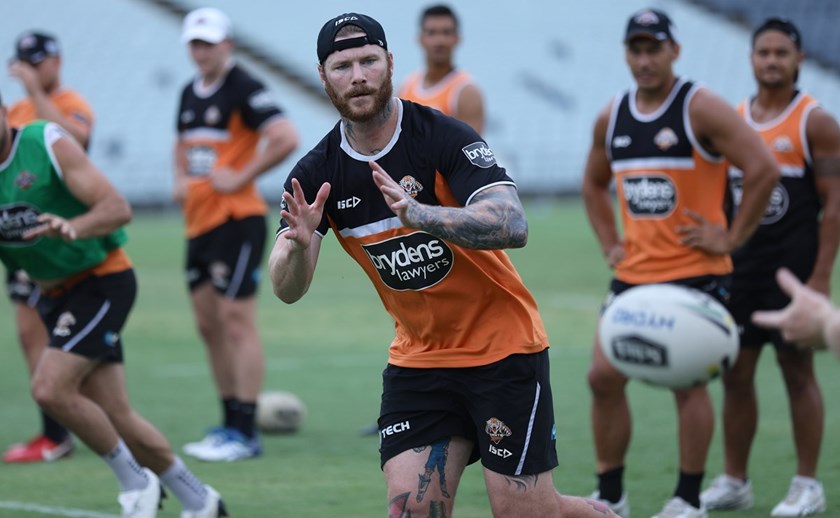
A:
374,34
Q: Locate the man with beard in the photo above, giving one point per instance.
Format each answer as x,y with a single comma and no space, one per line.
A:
800,231
468,371
224,116
441,85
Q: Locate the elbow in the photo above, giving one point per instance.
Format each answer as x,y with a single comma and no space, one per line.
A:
285,296
124,214
519,237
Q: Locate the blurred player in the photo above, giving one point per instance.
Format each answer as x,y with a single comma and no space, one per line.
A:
62,224
441,85
800,231
224,115
468,371
664,143
37,66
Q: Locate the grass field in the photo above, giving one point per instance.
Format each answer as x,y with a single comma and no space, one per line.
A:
330,349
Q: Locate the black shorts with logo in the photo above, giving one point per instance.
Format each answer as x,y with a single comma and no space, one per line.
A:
505,408
88,317
229,256
718,286
22,290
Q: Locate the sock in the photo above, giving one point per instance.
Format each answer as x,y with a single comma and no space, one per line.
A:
190,491
610,484
52,429
247,419
688,487
129,473
230,409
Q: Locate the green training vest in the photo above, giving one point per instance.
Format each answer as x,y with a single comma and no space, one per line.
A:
30,184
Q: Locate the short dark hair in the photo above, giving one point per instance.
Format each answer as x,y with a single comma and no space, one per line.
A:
438,10
783,25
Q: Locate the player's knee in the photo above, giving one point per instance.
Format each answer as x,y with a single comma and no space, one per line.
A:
604,382
404,503
46,393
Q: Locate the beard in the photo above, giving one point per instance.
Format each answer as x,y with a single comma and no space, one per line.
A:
381,98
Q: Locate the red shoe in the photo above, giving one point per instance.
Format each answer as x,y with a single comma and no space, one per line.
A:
39,449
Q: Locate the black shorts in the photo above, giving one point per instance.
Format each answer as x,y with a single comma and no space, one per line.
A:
22,290
718,286
229,256
505,408
87,319
745,300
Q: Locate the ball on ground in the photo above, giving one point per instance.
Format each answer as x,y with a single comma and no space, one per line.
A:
279,411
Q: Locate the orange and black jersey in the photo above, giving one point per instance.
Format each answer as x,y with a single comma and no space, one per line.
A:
789,231
442,96
453,307
220,127
660,170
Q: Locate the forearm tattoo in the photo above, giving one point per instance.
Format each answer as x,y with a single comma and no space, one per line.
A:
494,220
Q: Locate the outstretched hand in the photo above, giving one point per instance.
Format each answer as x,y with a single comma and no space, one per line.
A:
52,226
303,218
704,235
395,196
804,319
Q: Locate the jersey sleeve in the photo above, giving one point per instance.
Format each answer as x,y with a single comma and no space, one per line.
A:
465,160
257,105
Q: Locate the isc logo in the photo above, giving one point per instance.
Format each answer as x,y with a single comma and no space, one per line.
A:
349,203
501,452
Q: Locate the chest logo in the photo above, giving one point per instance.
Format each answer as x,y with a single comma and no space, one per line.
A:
666,139
782,144
479,155
649,196
349,203
412,262
212,116
15,220
411,185
622,141
24,180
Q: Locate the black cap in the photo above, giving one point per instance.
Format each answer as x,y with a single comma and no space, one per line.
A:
374,34
650,23
34,47
782,25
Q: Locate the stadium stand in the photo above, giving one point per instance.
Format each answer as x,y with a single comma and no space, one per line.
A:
545,67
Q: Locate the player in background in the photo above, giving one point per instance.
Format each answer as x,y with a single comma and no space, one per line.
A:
800,231
417,199
230,132
37,65
665,143
441,85
63,225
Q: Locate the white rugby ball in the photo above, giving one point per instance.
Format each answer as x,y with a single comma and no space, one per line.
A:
279,412
668,335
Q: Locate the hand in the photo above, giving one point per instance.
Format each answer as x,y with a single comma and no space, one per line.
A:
399,201
705,236
27,75
615,255
227,180
52,226
804,319
302,217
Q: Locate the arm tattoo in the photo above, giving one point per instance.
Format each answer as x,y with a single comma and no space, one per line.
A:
523,482
494,220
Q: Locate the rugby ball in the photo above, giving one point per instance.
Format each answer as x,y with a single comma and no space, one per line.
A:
668,335
279,412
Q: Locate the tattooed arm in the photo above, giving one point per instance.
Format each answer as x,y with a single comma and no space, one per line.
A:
493,220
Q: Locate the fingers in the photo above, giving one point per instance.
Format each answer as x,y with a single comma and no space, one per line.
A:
52,226
787,281
768,319
696,216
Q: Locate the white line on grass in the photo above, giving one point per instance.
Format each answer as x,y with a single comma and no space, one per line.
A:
55,511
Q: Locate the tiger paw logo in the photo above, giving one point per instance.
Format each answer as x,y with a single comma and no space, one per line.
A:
666,139
411,185
24,180
497,430
63,324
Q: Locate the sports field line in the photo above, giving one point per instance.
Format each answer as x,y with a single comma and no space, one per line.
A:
55,511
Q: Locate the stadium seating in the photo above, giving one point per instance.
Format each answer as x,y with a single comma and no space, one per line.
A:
546,68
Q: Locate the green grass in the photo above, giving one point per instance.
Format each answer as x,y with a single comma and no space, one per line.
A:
330,349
